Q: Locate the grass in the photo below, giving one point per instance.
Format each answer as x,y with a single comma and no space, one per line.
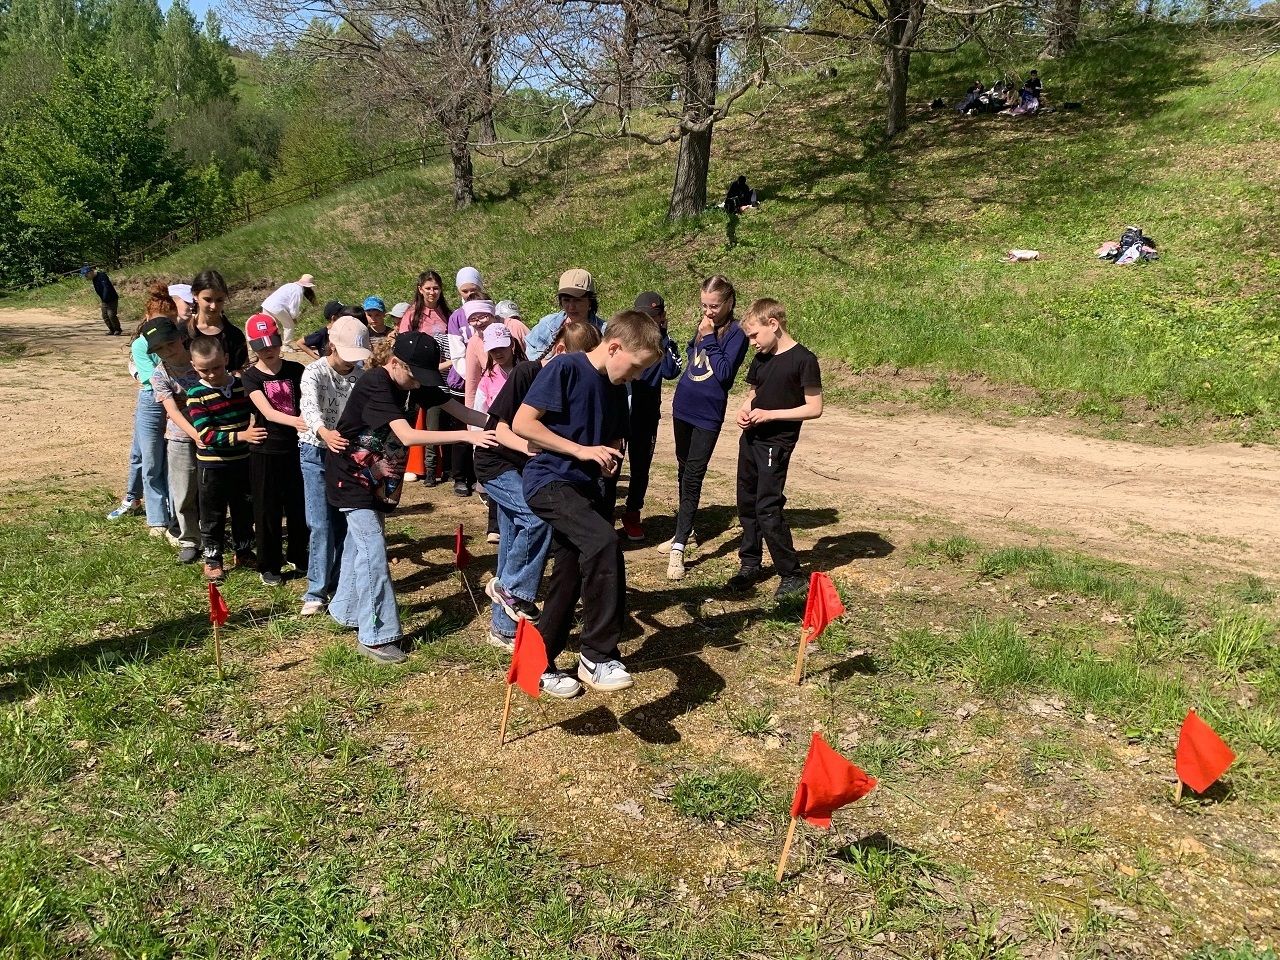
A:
723,796
888,255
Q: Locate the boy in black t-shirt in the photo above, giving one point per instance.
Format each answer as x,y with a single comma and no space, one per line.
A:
784,389
365,481
575,414
274,387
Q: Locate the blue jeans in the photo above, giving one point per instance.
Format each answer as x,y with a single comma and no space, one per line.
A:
522,551
133,481
327,525
148,438
365,598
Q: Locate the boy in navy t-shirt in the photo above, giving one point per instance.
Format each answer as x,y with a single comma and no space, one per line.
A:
784,389
576,415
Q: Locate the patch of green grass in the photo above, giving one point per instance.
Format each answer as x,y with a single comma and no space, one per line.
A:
727,795
1238,951
1009,560
997,656
1237,640
750,720
1254,590
1083,577
921,653
954,549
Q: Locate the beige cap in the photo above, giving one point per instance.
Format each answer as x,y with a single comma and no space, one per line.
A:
306,280
350,339
577,282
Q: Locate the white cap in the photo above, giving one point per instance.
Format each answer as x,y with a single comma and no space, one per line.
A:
399,310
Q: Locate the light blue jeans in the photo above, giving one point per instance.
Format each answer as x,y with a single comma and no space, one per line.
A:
148,438
327,525
365,598
522,549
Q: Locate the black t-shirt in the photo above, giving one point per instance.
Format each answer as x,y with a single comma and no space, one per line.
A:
369,474
233,343
780,380
495,461
283,391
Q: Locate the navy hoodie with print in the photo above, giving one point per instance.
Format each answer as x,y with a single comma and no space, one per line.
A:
702,394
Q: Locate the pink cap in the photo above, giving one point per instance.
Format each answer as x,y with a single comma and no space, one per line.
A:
496,335
475,308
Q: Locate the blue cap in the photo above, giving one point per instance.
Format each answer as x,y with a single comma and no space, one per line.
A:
374,303
84,271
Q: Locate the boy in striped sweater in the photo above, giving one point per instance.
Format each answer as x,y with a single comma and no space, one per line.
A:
219,410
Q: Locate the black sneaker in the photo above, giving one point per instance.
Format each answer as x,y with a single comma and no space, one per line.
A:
270,579
792,586
388,653
462,488
431,480
744,579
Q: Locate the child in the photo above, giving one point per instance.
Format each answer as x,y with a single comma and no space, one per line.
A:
715,353
576,415
170,380
428,314
106,292
646,412
784,389
274,387
470,288
219,411
148,419
285,304
501,354
365,481
326,386
506,314
375,312
211,292
576,297
525,537
316,344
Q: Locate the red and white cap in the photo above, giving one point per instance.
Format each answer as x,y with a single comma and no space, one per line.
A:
261,331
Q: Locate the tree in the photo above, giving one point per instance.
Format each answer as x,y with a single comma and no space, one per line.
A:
90,167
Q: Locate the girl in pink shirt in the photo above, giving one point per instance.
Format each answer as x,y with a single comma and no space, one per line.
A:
429,314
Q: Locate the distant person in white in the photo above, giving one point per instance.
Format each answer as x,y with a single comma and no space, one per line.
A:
285,304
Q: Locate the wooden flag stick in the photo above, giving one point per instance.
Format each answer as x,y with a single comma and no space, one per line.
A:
786,850
217,651
463,577
799,674
1177,792
506,713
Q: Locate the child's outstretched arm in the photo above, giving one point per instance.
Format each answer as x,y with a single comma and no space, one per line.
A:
460,412
429,438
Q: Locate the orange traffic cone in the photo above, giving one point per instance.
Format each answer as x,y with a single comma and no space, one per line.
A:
417,455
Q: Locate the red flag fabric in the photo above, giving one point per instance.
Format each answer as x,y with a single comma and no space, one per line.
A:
1202,755
529,659
827,783
823,606
218,612
461,555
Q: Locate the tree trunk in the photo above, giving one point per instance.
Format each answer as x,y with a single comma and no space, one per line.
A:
902,27
689,192
484,16
1064,28
627,66
463,174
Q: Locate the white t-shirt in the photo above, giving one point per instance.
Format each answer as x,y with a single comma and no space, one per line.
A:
287,301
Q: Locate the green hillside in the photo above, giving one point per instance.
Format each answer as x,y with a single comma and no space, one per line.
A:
889,257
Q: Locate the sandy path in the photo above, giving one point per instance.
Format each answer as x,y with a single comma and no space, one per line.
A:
1190,507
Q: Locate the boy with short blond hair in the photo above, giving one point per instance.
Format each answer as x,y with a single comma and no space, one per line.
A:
784,389
575,414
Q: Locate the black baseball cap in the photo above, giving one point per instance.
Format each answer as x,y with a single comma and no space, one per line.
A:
421,354
160,331
651,303
332,309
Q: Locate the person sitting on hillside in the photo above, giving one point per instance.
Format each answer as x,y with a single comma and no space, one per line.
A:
740,197
1033,83
969,103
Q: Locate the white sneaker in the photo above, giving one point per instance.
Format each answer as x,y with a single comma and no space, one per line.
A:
173,541
675,565
311,608
665,545
495,639
604,677
410,477
493,538
558,684
157,531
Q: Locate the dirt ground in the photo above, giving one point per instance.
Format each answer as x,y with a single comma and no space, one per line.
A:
1190,508
1060,825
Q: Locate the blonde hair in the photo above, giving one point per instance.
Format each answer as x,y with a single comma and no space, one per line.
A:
382,352
636,331
766,309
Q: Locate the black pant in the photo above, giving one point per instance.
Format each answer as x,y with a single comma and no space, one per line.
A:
694,447
110,309
462,468
276,487
588,563
432,420
225,488
762,473
641,443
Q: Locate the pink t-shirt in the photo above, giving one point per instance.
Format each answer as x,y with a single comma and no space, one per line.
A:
491,382
474,364
433,321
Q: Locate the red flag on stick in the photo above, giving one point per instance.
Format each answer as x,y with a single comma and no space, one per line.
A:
529,659
827,783
1202,755
461,555
823,606
528,663
218,612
